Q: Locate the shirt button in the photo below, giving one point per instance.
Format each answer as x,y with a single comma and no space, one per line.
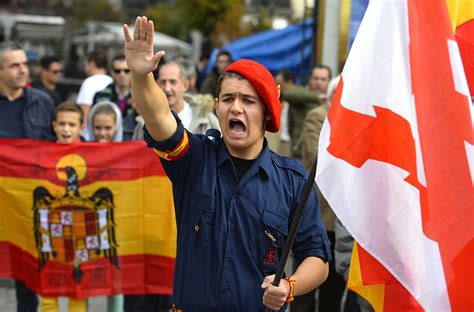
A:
196,228
237,194
225,289
232,226
228,258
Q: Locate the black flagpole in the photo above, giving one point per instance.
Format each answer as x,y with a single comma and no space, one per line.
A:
294,226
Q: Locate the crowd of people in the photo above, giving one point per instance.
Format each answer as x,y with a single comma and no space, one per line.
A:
249,189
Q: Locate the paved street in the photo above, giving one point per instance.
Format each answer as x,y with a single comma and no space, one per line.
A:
8,301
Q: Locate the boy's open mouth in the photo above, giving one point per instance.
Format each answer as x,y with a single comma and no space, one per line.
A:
237,125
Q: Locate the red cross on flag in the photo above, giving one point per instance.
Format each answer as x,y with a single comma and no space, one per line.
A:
396,160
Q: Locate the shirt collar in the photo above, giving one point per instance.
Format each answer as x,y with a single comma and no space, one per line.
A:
22,96
121,96
264,161
222,153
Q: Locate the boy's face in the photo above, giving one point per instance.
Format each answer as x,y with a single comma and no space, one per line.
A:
104,127
67,127
241,115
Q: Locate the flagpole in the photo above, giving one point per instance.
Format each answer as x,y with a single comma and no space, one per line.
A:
314,47
294,226
303,43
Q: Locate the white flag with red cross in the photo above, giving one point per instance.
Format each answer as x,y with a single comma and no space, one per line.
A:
396,160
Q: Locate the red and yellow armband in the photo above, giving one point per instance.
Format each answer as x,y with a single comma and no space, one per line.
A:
178,151
292,283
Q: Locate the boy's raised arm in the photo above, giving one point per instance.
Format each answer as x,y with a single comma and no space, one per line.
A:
150,99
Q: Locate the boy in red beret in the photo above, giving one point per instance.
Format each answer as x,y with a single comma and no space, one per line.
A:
234,198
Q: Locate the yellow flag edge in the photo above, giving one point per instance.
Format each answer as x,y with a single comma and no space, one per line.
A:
460,11
374,294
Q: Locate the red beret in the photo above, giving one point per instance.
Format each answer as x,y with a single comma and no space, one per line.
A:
264,83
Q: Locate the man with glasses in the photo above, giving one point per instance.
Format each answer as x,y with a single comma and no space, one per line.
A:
50,76
209,86
119,93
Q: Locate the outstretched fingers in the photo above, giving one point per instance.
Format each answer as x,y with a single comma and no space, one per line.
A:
136,30
150,32
143,28
126,33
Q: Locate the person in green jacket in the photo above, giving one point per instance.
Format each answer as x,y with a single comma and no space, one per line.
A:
209,86
301,100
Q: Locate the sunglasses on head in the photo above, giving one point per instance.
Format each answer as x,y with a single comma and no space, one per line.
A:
118,70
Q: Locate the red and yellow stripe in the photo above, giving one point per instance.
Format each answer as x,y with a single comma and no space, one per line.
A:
371,280
176,153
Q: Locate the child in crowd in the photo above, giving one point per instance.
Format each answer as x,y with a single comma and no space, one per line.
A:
68,123
105,125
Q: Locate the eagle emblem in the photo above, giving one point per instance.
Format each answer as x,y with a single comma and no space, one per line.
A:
72,229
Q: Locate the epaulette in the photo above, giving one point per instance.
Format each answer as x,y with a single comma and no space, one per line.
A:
289,163
213,134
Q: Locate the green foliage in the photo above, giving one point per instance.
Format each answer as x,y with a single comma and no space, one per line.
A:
167,19
204,14
96,10
229,26
213,18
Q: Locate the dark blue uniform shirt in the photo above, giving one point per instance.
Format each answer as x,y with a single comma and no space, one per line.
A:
230,232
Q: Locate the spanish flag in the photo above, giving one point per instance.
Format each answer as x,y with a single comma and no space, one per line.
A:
86,219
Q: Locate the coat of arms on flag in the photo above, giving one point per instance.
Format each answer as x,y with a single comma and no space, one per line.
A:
82,220
72,229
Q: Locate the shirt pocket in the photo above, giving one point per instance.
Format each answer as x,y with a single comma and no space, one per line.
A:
39,124
202,221
274,237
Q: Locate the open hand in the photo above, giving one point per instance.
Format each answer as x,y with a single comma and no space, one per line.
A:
139,47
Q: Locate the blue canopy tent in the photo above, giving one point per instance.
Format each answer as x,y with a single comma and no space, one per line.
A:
289,47
358,8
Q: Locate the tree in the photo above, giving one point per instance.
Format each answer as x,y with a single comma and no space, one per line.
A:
168,20
99,10
218,20
229,27
205,14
